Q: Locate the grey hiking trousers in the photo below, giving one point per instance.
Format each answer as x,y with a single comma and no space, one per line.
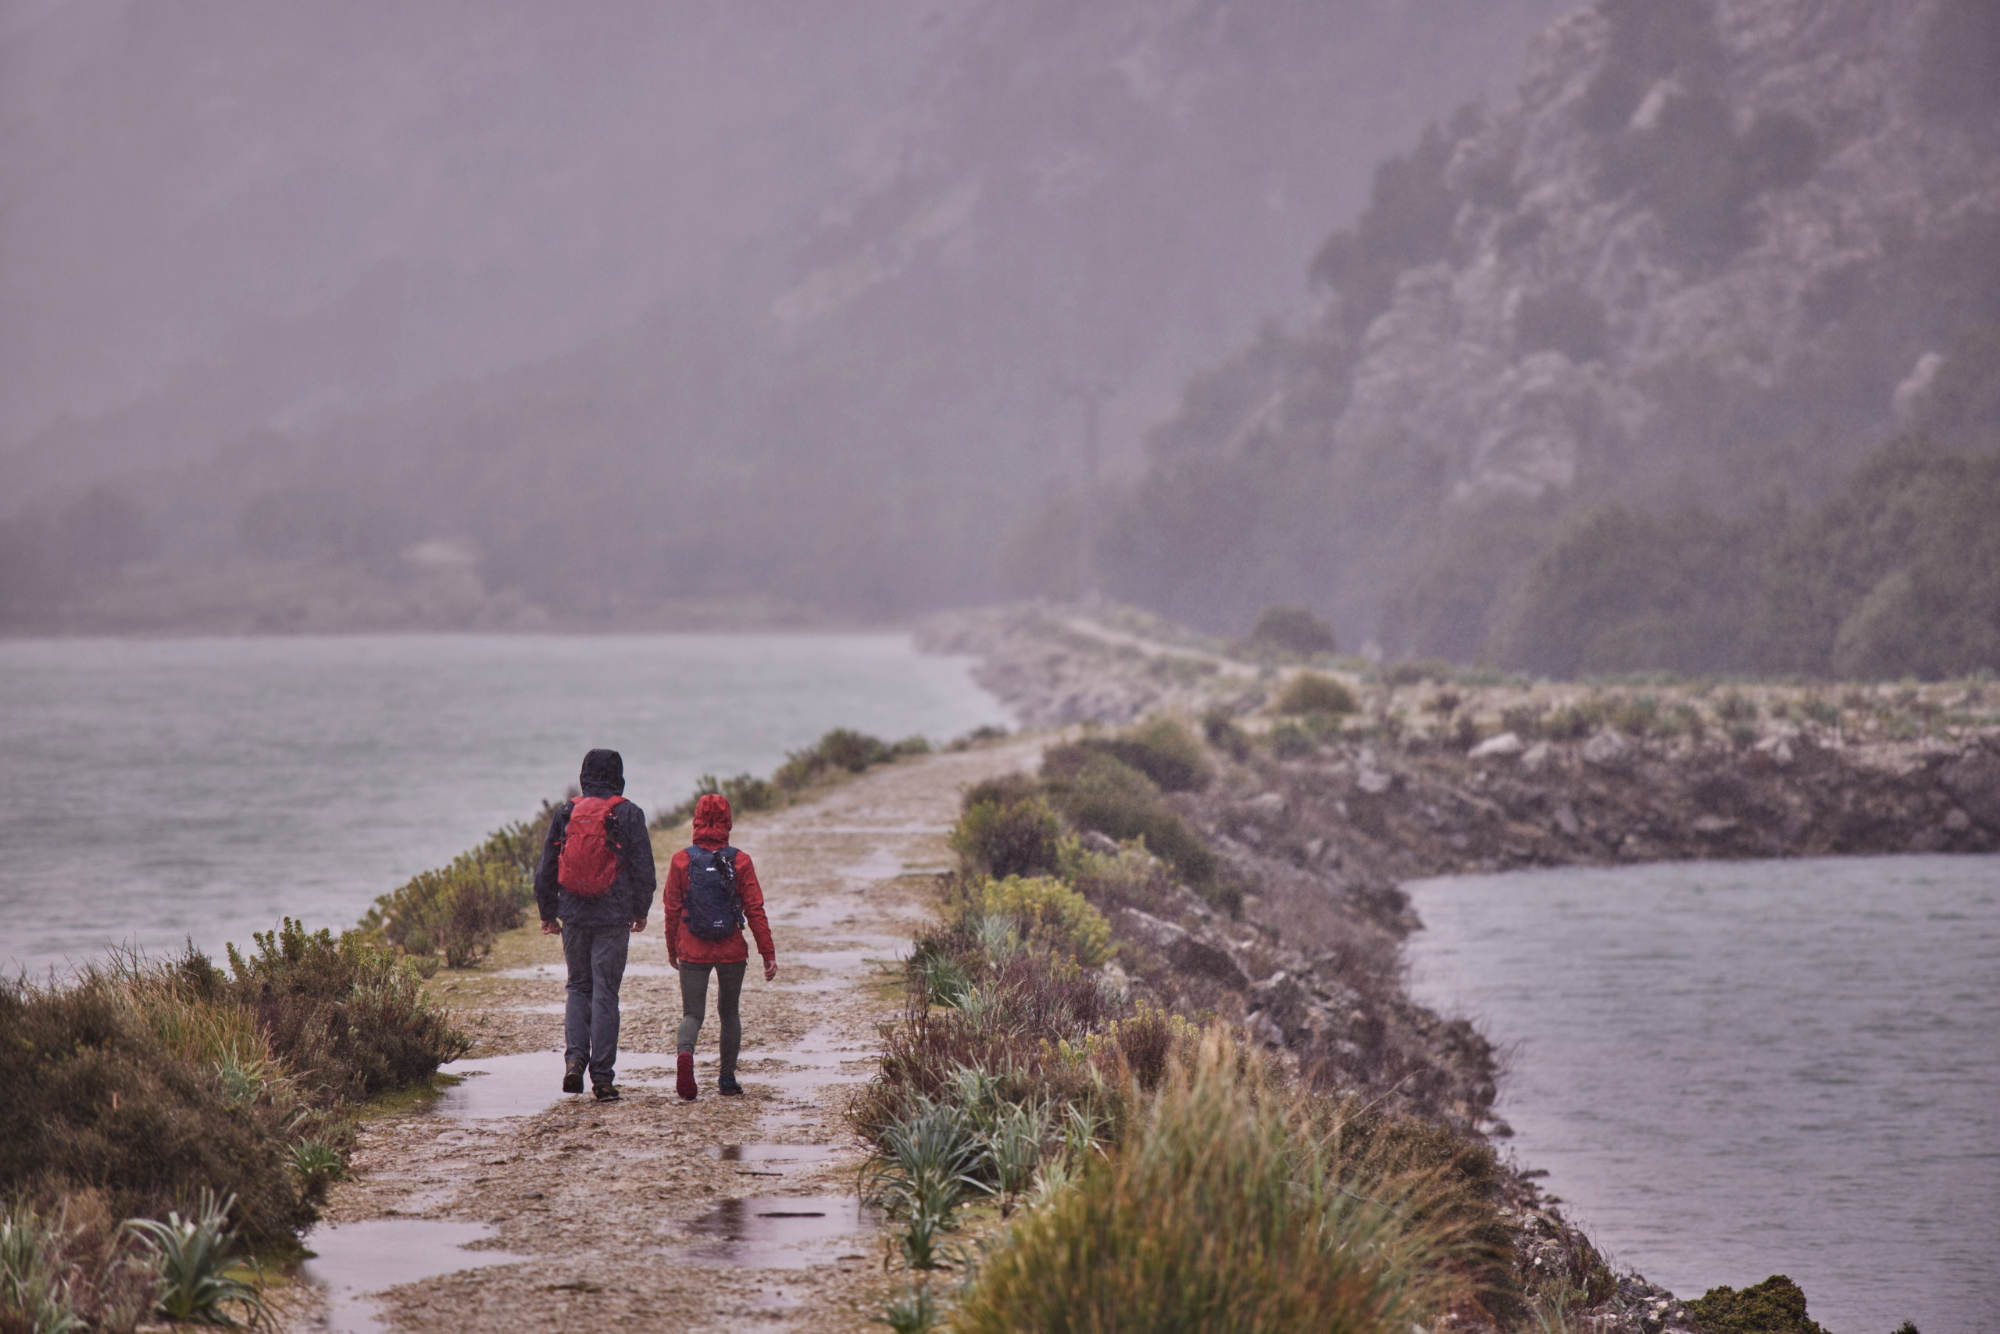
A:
694,1006
596,959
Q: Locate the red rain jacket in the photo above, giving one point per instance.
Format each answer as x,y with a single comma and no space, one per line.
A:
712,822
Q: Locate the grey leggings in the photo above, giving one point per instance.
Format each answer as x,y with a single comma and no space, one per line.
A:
694,1004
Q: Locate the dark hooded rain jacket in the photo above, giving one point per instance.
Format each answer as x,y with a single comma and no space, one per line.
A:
630,898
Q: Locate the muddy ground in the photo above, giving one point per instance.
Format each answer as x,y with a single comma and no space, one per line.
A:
652,1213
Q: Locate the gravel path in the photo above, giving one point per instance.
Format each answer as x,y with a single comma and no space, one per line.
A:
506,1206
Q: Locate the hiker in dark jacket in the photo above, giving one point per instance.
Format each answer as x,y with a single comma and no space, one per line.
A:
695,948
600,890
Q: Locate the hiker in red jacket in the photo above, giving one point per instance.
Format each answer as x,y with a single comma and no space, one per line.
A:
711,891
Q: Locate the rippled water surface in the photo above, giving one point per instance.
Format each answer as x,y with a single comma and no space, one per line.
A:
1737,1069
156,790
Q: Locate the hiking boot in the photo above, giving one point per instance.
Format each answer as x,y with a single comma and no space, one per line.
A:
573,1077
605,1092
684,1078
728,1087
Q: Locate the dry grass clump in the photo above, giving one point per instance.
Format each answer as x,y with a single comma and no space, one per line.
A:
145,1084
1226,1205
1315,692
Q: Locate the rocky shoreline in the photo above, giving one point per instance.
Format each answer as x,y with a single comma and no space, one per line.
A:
1319,839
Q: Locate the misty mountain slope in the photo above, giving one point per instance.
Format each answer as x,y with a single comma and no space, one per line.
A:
840,272
231,216
1711,253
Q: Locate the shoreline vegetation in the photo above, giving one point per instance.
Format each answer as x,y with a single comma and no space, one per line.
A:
180,1121
1165,989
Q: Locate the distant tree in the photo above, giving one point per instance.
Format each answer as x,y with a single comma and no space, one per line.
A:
1292,630
1623,591
1897,575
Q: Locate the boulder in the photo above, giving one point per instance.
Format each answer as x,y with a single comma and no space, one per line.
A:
1536,758
1608,750
1505,746
1267,805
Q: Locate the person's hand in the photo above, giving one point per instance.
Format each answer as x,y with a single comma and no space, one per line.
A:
673,961
770,969
638,925
551,928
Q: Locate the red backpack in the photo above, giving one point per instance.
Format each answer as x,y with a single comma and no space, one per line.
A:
588,862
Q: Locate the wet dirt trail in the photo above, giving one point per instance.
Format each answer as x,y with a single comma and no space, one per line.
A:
507,1206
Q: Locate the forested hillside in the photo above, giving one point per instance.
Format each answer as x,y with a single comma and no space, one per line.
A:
1607,379
428,318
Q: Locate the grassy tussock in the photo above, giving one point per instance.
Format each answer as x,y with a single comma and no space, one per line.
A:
1225,1206
453,914
143,1085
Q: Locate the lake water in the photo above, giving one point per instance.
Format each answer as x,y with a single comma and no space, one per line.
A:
1733,1069
156,790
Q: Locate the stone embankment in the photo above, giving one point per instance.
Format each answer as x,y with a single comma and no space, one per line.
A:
1319,839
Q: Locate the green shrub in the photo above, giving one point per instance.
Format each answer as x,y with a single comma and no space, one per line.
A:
93,1098
457,911
1290,741
1218,725
1311,692
1775,1306
347,1016
1162,749
1009,837
1094,790
1292,630
1736,707
1051,914
1417,671
1220,1210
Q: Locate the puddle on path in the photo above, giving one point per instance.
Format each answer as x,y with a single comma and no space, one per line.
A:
496,1087
881,864
778,1231
354,1261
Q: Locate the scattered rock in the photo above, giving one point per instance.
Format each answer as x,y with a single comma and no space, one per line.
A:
1504,746
1713,824
1537,757
1777,749
1957,821
1608,750
1566,819
1373,781
1093,841
1270,805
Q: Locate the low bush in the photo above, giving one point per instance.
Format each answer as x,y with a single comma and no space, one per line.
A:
456,912
841,750
1094,790
1008,836
344,1014
1775,1306
1222,1209
1164,750
93,1098
1291,630
1221,731
1050,914
1312,692
1291,741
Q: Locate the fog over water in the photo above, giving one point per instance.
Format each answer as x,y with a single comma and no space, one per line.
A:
157,792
